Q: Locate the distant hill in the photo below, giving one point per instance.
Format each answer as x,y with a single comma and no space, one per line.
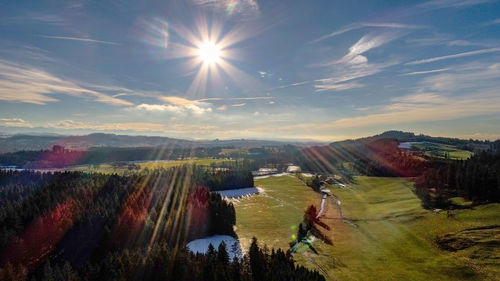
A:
44,142
411,137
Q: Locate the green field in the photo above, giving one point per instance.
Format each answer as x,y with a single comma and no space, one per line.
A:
274,214
389,235
121,168
440,150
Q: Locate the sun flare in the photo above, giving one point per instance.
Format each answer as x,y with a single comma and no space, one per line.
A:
209,53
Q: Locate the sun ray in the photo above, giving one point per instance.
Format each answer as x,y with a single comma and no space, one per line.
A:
242,79
198,87
207,51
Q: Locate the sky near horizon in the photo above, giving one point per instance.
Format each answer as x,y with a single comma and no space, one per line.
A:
294,70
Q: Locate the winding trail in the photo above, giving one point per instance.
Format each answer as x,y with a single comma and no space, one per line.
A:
323,200
322,205
338,203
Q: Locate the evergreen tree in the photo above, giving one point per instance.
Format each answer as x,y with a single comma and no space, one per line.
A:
222,255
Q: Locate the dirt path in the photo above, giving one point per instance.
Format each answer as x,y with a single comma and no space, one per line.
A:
322,205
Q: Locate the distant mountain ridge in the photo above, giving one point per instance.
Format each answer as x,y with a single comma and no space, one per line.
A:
43,142
412,137
33,142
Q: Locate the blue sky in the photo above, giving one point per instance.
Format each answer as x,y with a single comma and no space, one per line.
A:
297,70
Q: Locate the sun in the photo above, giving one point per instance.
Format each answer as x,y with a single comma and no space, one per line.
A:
209,52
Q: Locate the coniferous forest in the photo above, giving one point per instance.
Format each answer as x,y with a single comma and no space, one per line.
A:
92,226
476,179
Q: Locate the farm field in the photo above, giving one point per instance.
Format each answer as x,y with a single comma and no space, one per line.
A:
388,235
439,150
121,168
273,215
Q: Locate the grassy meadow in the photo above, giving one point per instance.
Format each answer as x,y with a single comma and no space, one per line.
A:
120,168
439,150
273,215
387,235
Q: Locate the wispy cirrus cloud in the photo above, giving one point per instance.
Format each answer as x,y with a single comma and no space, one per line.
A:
468,76
414,108
424,72
337,87
441,96
440,4
33,18
29,84
367,24
290,85
495,21
440,39
253,98
237,98
80,39
366,43
422,109
125,126
429,98
182,105
355,64
459,55
15,122
244,9
150,127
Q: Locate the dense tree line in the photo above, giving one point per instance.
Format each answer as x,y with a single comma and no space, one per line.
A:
58,158
220,179
372,157
77,218
476,179
80,226
161,262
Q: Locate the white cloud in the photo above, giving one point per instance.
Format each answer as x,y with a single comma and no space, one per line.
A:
14,122
439,4
222,107
253,98
126,126
175,100
337,87
437,39
241,9
355,26
153,107
354,64
430,40
459,55
438,98
290,85
425,71
87,40
34,18
178,105
365,44
28,84
421,98
417,109
468,76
